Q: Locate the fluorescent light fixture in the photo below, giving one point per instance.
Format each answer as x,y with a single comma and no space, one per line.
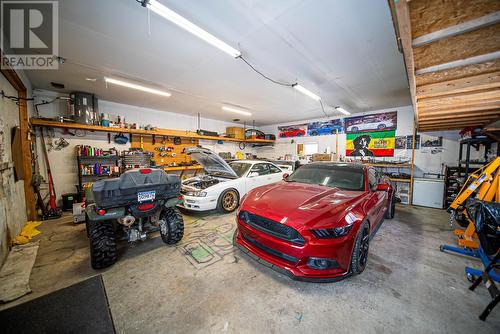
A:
342,110
306,92
237,111
177,19
135,86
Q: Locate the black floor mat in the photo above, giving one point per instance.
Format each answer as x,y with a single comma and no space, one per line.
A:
80,308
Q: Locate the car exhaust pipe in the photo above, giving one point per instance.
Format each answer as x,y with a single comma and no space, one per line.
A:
127,220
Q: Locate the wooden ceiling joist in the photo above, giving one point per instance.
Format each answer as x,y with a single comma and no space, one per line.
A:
458,126
491,96
481,119
458,72
458,29
460,62
489,114
482,106
452,55
464,85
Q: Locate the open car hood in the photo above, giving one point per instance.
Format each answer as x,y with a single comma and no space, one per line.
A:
210,161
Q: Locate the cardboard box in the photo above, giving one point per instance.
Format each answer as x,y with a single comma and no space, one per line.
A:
236,132
321,157
78,213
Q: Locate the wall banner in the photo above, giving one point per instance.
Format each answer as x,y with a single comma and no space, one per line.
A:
370,144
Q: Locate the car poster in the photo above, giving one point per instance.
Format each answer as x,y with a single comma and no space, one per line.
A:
404,142
287,131
370,144
369,123
329,127
400,143
409,140
431,141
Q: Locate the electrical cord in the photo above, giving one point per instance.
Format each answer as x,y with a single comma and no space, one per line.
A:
15,99
265,76
323,108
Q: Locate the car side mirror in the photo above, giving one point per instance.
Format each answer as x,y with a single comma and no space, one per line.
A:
383,187
285,176
253,174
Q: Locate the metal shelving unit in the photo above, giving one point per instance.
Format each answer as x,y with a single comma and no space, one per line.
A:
109,160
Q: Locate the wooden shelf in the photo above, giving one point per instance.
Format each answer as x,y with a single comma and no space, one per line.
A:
389,165
182,168
400,180
156,132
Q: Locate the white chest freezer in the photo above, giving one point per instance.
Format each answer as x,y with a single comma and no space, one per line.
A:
428,192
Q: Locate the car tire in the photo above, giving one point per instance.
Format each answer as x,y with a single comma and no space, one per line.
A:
103,250
171,225
354,129
391,211
299,134
314,133
381,126
360,250
228,201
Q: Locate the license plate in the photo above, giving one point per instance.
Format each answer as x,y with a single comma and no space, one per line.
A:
146,196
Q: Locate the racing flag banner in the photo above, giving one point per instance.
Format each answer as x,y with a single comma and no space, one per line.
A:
370,144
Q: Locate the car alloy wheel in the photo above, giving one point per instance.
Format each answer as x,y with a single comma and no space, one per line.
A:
230,201
364,247
354,129
381,126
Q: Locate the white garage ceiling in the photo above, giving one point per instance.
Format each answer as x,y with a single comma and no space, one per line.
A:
344,51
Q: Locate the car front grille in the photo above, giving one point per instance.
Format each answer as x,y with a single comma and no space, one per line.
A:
271,227
271,251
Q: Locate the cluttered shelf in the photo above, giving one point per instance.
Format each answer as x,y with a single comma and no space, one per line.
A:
400,180
176,168
388,165
155,132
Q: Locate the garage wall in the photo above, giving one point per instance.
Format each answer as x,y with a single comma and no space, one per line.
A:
12,199
63,162
425,160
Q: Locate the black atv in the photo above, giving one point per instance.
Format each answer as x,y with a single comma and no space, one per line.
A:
132,206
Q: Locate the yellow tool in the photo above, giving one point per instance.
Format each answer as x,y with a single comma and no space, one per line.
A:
484,185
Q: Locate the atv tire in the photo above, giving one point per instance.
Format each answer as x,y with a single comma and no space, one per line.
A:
171,226
360,250
103,250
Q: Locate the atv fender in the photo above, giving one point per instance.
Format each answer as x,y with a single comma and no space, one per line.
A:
110,214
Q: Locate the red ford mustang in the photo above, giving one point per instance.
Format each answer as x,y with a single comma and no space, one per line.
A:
316,225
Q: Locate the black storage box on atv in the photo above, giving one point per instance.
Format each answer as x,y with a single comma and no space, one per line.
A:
131,207
124,190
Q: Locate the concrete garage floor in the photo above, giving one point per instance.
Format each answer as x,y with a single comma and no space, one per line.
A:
205,285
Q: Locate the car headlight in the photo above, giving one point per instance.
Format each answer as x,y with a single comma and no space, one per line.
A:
336,232
196,193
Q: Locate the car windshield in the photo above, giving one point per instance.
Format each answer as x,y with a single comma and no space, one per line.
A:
343,177
240,168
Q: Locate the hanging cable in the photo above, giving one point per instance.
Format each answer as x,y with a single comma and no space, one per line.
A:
15,99
323,108
265,76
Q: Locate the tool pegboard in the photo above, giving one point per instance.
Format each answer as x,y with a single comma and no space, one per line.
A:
167,150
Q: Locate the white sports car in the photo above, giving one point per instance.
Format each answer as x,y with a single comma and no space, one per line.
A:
225,184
